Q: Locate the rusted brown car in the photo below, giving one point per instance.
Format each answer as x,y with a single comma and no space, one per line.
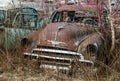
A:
62,42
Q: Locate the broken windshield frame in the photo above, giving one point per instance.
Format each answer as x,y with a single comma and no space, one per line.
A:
58,16
25,20
19,17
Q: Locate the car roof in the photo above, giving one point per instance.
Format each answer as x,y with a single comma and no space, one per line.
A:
75,7
68,8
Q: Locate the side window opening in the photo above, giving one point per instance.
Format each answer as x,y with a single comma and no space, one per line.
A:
26,18
68,16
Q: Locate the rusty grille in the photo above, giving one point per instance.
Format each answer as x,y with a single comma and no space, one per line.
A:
56,57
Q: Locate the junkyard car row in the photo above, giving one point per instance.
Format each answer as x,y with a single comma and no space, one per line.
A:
72,35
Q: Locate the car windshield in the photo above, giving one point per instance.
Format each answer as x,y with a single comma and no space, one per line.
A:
26,20
2,16
27,17
72,16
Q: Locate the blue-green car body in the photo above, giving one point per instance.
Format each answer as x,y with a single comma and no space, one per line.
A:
15,24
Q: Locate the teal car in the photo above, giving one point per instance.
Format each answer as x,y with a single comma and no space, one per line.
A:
16,23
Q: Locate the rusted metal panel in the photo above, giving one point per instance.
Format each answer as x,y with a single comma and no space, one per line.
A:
59,39
68,8
68,34
75,7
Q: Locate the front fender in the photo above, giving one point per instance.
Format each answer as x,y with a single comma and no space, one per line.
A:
30,41
91,45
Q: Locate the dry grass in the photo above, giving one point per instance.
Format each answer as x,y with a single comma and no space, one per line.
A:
14,68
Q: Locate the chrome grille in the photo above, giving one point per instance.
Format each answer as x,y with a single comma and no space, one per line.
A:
56,57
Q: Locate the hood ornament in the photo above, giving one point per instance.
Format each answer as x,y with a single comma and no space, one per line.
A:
60,27
56,43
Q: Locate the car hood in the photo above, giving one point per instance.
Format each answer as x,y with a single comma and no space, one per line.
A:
61,35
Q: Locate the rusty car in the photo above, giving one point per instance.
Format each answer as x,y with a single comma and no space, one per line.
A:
15,23
62,43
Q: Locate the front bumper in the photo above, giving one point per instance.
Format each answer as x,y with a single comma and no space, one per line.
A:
57,58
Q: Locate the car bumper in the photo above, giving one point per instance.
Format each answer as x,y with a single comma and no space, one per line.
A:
56,58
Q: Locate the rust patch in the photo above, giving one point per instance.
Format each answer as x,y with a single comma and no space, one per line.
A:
75,7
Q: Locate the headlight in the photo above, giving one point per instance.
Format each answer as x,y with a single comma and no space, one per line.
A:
90,51
92,48
25,42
